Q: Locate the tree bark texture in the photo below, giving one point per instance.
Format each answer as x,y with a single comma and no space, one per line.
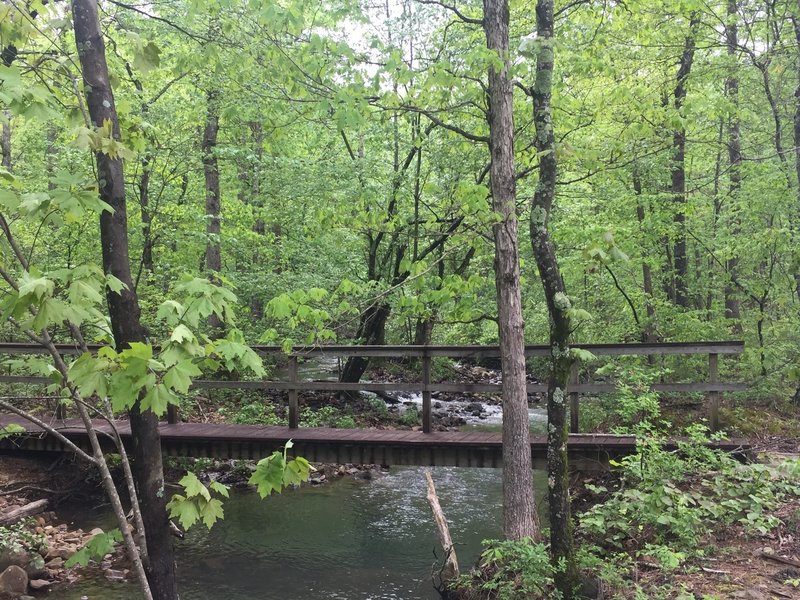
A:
732,302
123,307
213,207
147,217
519,512
678,174
5,142
648,334
558,304
796,216
371,332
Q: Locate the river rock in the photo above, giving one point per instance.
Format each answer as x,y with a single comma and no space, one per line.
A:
39,584
114,575
32,563
55,563
476,408
10,557
13,581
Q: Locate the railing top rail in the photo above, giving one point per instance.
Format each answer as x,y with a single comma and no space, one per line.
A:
454,351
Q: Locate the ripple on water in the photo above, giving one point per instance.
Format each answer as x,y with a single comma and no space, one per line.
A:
352,540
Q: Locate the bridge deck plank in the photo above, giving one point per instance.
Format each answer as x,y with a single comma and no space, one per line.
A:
234,433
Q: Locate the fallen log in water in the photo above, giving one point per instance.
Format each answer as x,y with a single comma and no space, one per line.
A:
450,569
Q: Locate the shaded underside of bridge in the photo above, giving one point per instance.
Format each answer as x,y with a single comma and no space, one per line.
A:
324,445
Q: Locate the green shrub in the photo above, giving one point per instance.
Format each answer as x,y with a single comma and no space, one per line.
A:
21,538
254,413
515,570
410,417
326,416
670,500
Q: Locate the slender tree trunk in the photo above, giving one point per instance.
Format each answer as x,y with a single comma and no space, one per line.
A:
647,273
777,137
558,304
519,511
5,141
678,187
51,156
147,217
796,218
211,172
732,302
250,194
123,307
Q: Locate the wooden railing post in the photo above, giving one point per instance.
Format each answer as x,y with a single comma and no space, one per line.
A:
173,414
426,393
574,399
293,417
713,377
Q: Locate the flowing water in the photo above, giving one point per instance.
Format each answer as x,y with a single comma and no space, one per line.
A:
350,540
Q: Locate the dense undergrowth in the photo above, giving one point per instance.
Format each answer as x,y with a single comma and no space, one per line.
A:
659,509
662,510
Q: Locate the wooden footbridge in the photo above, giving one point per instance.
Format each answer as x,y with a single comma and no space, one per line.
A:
388,447
321,444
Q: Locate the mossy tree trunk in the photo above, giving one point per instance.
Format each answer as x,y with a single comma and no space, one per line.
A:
558,306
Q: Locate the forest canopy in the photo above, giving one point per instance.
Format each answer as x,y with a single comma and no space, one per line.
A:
328,163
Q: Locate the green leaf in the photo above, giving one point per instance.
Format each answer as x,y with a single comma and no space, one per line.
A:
268,476
186,511
179,377
147,58
9,430
158,398
582,355
220,488
211,511
31,285
182,334
194,487
95,549
90,375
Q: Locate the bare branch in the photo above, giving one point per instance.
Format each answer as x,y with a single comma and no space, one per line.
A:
452,8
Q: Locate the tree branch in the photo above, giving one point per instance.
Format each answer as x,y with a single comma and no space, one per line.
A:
454,10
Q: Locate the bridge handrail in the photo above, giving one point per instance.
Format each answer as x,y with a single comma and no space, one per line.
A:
294,385
451,351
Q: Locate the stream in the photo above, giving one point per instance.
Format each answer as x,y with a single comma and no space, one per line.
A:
349,540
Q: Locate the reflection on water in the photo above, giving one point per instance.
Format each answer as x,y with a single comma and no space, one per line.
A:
351,540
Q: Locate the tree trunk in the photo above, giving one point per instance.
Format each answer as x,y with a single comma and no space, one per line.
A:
732,302
647,273
371,332
796,218
558,305
249,194
147,216
678,187
519,511
123,307
51,156
5,141
211,172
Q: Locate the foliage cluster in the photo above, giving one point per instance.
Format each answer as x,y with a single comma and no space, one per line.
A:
21,539
669,504
514,570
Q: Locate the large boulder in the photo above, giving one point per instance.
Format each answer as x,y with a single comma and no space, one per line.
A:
13,582
31,562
